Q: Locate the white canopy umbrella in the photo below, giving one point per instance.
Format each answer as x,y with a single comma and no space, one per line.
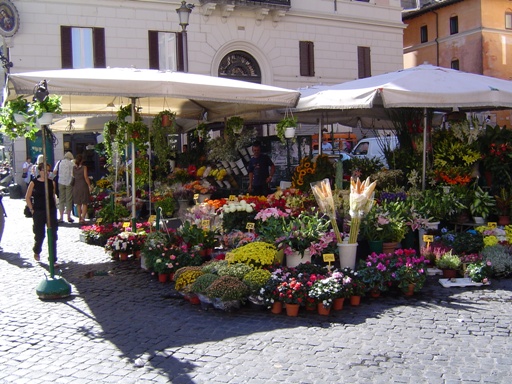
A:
424,86
94,90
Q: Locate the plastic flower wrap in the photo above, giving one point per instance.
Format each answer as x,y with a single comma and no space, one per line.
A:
323,195
361,201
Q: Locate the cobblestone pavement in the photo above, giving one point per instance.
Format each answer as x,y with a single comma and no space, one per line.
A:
127,327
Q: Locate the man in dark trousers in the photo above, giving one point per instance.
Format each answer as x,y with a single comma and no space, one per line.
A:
261,170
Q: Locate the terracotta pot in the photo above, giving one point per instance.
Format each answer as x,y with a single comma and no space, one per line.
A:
337,304
310,306
277,307
355,300
449,273
292,310
323,310
194,300
115,255
375,292
136,254
389,247
503,220
163,277
410,290
123,256
166,121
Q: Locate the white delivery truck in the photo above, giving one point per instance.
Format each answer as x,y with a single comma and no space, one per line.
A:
373,147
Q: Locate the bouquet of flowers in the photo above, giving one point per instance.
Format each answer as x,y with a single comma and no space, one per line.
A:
324,199
200,186
361,201
236,238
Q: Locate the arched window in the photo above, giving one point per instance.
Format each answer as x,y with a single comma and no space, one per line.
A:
239,65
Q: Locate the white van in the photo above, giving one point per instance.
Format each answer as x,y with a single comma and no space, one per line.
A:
373,147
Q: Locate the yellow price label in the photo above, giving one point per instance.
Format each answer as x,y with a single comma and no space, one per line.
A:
196,196
249,226
205,223
126,224
152,219
230,256
428,238
232,197
328,257
141,231
492,224
99,220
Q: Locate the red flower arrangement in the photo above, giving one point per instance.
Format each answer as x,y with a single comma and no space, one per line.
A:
292,291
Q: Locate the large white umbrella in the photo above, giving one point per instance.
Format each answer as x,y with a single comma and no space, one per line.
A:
424,86
94,90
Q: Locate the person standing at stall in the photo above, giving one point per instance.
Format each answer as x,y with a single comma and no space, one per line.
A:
261,170
63,171
81,188
36,202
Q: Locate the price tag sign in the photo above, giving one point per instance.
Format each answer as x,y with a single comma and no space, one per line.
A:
99,220
250,226
428,238
141,231
126,224
152,219
205,224
196,196
328,258
232,197
492,224
230,257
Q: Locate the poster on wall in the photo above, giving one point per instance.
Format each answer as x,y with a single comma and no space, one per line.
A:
9,18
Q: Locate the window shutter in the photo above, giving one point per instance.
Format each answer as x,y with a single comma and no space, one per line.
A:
180,60
364,62
153,50
98,36
66,49
307,58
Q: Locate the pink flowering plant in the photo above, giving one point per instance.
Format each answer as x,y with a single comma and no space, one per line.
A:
408,268
327,243
480,272
270,223
375,272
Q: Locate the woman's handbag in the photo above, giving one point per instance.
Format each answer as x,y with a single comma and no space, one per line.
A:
27,211
24,175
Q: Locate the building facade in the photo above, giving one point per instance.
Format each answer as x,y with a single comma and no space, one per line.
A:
286,43
469,35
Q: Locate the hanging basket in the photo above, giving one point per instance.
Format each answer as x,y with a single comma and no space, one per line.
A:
45,119
289,133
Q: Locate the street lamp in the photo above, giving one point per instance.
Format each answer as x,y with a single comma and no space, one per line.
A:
184,14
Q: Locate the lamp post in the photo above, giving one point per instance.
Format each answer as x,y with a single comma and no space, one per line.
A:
184,14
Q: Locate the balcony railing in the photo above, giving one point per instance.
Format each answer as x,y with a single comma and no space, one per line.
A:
285,3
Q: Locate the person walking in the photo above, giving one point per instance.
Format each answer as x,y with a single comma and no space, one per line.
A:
64,172
36,202
261,170
27,168
3,215
81,188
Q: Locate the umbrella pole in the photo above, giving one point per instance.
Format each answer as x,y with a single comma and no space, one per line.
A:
53,288
425,122
134,219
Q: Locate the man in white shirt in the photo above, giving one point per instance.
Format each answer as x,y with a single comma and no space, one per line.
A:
64,169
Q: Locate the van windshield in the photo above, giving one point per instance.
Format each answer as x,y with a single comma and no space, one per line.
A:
361,149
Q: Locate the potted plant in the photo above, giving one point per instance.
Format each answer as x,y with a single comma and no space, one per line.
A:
167,204
409,271
234,125
227,292
325,290
481,205
200,286
375,273
294,293
45,109
480,272
16,119
449,263
256,280
503,205
290,123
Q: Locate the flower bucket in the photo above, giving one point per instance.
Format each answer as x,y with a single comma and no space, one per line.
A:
347,253
296,258
375,246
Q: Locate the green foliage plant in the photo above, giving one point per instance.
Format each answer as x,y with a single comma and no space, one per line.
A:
448,261
500,257
256,280
286,122
203,282
228,288
113,213
238,270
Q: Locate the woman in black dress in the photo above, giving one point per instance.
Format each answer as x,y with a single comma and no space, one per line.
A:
36,201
